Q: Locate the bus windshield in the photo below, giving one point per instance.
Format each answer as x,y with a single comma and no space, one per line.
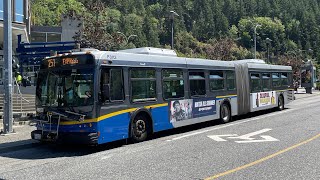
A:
65,88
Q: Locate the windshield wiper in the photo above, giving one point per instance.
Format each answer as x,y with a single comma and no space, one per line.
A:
81,116
68,114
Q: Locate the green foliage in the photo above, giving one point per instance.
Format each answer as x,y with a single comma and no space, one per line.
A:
48,12
292,25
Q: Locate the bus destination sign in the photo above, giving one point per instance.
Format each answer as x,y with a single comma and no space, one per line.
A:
67,61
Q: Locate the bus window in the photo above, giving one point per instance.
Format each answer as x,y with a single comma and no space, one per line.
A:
231,80
216,80
276,80
197,83
143,85
284,79
255,82
112,85
266,82
173,84
116,85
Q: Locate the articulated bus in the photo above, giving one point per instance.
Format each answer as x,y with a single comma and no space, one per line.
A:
96,97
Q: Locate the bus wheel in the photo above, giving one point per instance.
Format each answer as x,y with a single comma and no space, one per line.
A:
225,113
281,103
139,129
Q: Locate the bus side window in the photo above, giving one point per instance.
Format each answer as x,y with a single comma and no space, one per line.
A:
231,80
173,83
116,85
255,82
284,79
105,85
143,84
266,82
216,80
275,80
197,83
111,85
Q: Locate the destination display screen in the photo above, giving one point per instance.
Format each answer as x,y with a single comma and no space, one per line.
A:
66,61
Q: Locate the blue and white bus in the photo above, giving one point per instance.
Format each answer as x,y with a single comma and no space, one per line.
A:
97,97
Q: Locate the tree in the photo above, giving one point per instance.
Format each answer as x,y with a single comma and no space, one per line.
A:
95,30
48,12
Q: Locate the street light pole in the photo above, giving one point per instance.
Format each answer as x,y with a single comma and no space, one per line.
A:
132,35
127,38
255,40
172,14
7,123
268,41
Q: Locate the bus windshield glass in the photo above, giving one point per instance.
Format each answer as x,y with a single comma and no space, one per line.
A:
65,88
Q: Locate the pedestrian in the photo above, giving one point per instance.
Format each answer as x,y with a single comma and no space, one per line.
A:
18,78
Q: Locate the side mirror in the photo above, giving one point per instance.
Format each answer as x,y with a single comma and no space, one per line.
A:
105,92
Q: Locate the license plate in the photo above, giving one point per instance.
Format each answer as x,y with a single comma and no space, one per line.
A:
37,136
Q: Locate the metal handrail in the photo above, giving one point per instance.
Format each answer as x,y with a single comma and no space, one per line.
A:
19,92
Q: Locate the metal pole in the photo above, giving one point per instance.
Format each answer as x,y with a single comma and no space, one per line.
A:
268,52
7,123
255,40
172,24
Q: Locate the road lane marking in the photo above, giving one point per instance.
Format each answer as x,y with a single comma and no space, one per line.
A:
262,159
219,137
228,125
265,139
246,138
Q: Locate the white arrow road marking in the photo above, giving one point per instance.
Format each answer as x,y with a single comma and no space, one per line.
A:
218,137
248,136
265,139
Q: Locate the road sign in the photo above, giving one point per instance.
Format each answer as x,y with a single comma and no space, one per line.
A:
246,138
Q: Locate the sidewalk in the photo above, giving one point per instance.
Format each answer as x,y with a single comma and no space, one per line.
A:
301,93
17,140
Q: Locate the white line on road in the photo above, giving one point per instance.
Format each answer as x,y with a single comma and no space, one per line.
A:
219,137
230,124
265,139
248,136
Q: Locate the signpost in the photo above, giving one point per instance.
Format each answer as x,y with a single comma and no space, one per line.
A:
7,123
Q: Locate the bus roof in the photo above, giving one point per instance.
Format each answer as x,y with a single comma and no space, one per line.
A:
157,57
151,51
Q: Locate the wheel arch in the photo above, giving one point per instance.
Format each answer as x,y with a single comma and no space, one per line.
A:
228,103
144,112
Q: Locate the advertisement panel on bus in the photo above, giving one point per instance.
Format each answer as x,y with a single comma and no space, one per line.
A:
191,108
262,99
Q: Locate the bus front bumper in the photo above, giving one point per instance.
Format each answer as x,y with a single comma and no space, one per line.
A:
66,137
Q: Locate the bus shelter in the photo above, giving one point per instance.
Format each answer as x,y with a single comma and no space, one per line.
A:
308,75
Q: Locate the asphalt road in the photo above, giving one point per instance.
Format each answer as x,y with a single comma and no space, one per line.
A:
266,145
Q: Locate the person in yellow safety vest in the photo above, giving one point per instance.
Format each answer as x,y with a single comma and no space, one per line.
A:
19,78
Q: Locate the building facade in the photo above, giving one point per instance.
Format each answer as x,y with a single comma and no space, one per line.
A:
20,26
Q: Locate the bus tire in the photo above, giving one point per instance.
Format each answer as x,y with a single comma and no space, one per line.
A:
225,113
139,129
281,103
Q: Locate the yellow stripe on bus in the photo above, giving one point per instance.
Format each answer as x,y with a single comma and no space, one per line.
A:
110,115
218,97
116,113
157,105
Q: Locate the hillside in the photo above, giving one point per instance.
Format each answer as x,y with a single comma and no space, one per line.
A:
215,29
